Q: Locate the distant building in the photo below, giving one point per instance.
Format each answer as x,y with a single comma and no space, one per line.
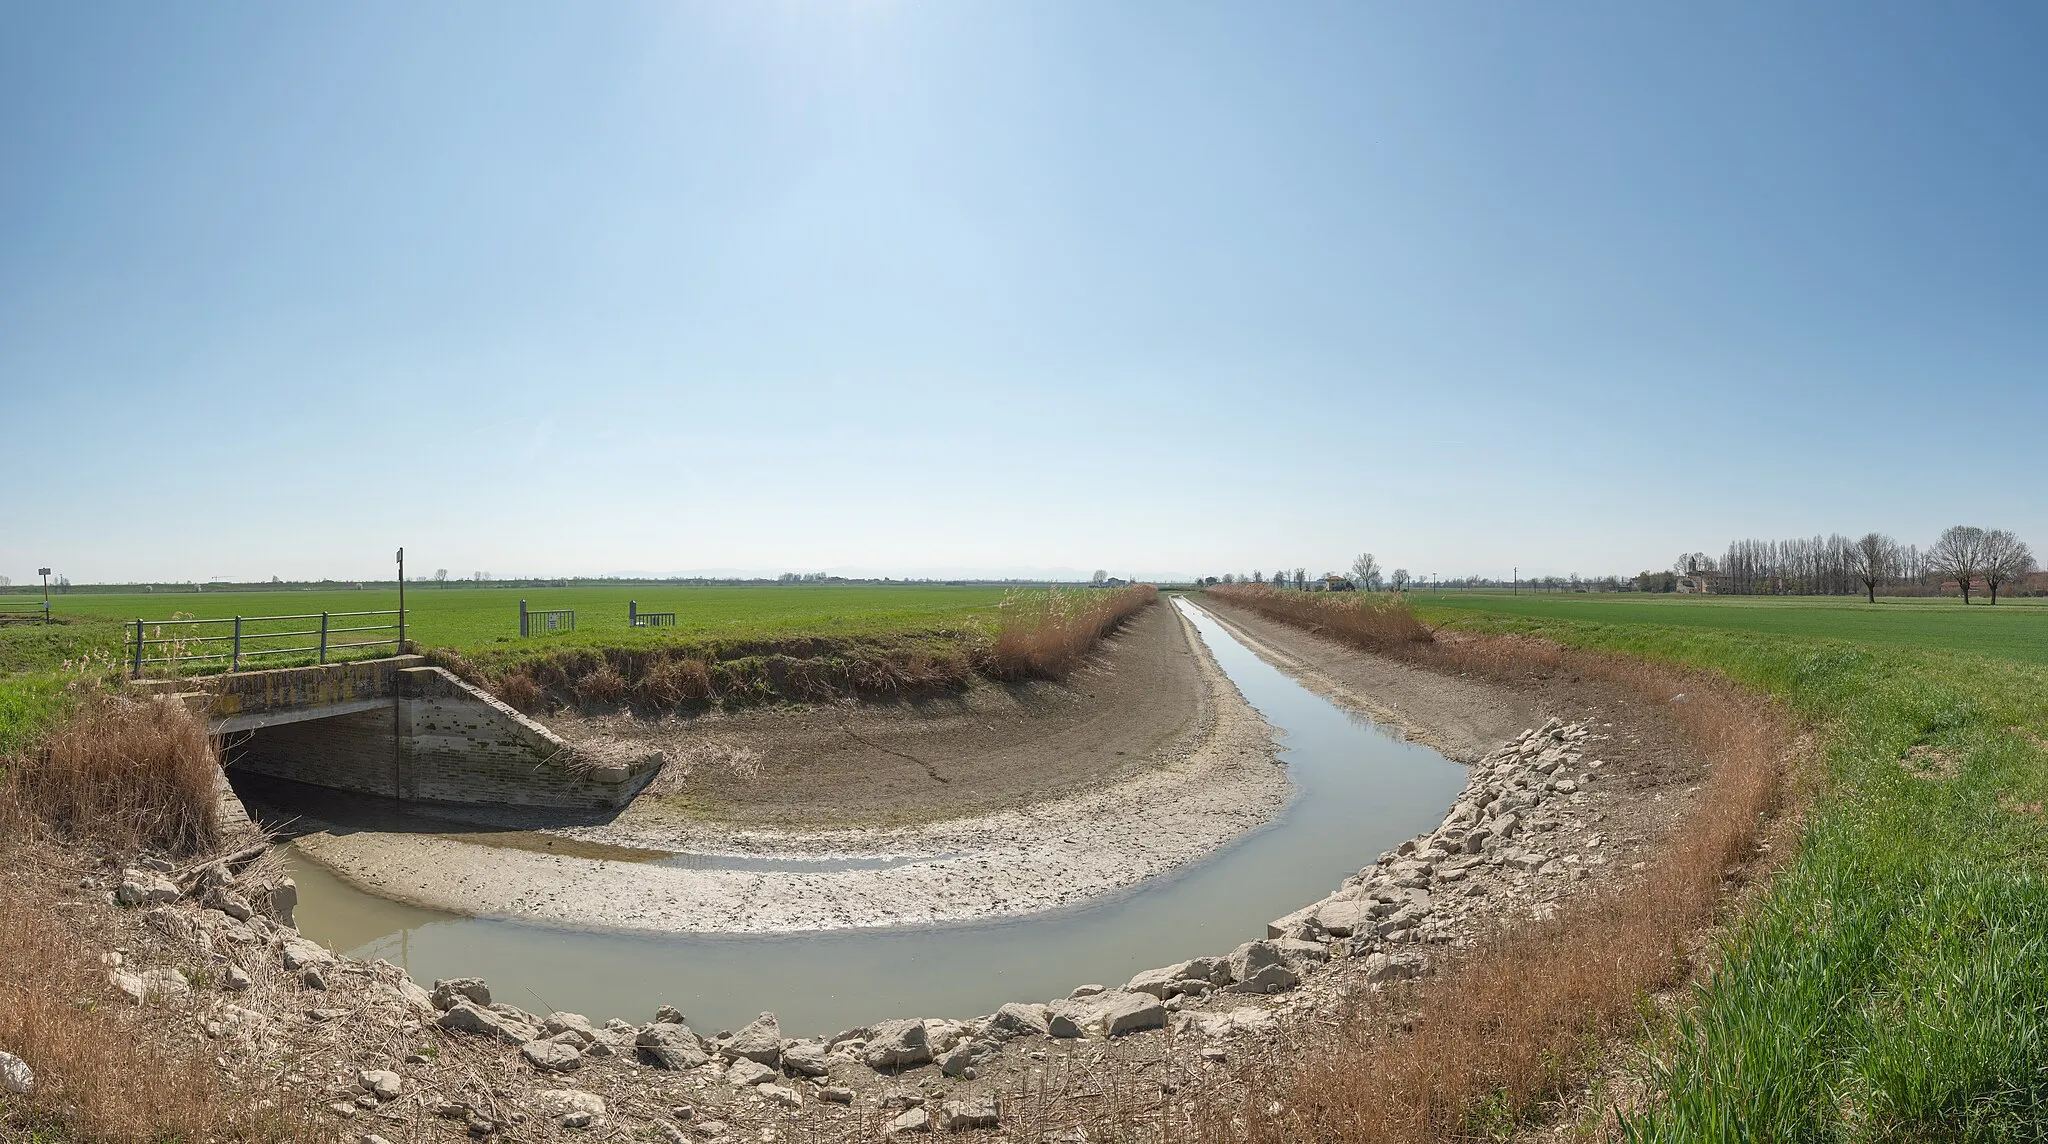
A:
1114,582
1702,583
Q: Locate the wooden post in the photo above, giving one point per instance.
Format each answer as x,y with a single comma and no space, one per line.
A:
522,617
235,664
138,647
632,613
323,637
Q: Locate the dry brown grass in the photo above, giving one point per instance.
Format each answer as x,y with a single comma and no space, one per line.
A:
1520,1019
1040,635
1045,635
117,775
1374,622
99,1074
127,774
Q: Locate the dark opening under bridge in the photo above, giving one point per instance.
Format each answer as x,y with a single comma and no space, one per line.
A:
401,728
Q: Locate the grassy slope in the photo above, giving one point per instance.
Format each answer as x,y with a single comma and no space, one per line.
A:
35,659
1893,983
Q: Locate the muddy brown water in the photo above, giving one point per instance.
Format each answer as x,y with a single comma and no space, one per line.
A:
1359,789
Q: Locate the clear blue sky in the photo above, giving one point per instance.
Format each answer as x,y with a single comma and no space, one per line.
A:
930,287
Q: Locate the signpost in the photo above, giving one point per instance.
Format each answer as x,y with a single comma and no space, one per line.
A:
401,601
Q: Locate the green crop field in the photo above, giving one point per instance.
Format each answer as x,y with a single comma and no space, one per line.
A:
475,618
2015,629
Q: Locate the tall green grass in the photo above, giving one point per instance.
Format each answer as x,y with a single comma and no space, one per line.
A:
1892,984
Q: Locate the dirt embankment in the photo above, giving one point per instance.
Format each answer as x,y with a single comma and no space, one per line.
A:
993,747
1008,800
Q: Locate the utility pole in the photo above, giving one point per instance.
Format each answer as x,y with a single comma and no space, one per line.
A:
1517,590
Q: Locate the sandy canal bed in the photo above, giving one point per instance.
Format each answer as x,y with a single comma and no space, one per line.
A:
1006,801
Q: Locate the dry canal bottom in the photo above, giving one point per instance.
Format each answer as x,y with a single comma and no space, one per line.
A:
1359,789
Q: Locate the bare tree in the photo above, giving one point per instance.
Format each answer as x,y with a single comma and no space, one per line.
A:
1099,575
1230,577
1300,579
1365,572
1400,579
1959,554
440,575
1874,560
2006,558
1258,577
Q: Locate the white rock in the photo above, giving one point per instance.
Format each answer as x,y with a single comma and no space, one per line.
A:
896,1044
551,1056
15,1075
300,953
760,1040
380,1083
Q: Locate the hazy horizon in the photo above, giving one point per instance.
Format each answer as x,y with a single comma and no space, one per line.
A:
913,287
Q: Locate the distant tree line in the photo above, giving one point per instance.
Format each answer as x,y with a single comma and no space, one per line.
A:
1964,559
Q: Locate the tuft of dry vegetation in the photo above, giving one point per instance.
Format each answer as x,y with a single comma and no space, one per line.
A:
1045,635
1372,621
126,774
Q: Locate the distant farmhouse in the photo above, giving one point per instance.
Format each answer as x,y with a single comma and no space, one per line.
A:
1699,584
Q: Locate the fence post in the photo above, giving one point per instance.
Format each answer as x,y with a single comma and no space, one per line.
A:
632,613
235,664
323,637
522,618
138,647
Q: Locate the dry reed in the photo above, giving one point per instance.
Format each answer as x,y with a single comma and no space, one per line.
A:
127,774
1375,622
1045,635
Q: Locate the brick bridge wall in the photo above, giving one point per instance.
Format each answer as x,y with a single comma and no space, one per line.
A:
435,739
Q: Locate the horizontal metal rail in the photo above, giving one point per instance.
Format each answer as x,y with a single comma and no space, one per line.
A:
140,640
270,619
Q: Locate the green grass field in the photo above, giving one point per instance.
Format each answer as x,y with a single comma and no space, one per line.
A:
472,618
2014,629
1892,983
480,623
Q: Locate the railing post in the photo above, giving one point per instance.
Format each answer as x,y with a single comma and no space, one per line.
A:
323,637
632,613
138,648
522,618
235,663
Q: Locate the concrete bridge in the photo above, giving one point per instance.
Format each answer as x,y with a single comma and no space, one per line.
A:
404,729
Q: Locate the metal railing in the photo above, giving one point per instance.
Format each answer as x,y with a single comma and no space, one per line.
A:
533,620
635,618
249,638
9,609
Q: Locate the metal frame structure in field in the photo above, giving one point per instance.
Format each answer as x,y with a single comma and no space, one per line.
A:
187,641
9,609
545,620
635,618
